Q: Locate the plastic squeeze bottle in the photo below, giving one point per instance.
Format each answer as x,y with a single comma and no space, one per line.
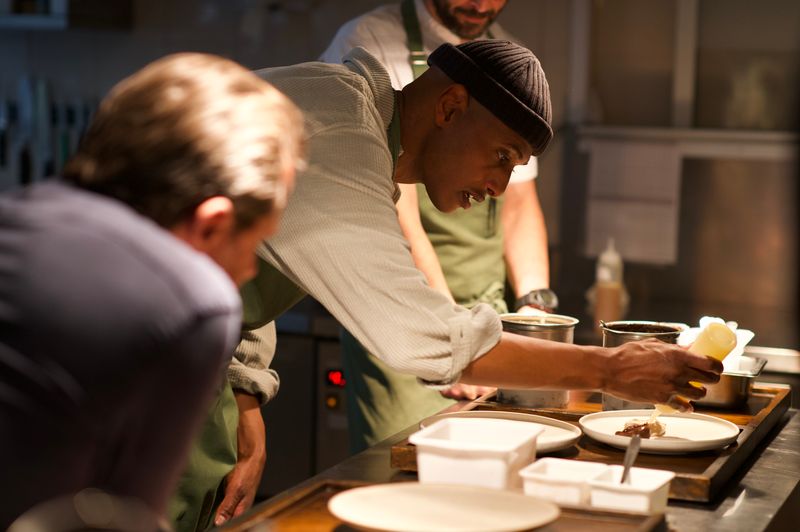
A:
716,340
608,286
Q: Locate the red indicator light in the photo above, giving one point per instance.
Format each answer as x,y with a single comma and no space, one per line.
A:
335,377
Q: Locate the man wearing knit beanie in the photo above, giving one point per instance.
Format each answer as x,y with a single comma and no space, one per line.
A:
460,129
506,79
469,255
491,96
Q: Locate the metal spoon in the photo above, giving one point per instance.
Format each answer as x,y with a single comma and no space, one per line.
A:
630,456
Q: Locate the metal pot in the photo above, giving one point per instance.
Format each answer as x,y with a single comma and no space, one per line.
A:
555,327
616,333
733,388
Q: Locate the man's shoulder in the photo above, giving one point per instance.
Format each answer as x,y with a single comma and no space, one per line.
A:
386,17
376,30
336,94
122,254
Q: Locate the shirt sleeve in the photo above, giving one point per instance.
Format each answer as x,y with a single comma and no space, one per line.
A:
249,370
341,242
349,36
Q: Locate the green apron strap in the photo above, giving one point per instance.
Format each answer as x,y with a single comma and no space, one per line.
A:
469,243
417,56
469,246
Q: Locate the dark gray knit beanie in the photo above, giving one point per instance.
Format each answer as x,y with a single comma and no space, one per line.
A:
505,78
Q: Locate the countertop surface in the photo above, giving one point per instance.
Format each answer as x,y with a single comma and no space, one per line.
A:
765,495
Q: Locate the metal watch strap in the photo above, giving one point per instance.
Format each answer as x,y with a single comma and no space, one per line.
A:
530,300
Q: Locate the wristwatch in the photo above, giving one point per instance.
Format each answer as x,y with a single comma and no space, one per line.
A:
542,298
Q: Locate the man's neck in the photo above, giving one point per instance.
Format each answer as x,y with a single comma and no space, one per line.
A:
410,138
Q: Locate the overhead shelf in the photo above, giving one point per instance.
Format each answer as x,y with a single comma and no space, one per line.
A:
89,14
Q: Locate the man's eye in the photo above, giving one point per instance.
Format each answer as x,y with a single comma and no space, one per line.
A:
503,156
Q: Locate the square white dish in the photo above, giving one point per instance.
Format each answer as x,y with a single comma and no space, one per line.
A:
560,481
475,451
646,492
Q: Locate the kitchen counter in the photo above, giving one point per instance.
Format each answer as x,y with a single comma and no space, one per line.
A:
765,495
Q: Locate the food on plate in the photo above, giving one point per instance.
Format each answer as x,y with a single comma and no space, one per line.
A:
644,428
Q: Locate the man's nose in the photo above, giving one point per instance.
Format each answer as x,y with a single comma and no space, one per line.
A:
497,185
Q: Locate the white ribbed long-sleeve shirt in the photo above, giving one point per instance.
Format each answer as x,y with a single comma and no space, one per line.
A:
340,240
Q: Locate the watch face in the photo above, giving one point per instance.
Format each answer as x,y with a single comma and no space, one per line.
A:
545,297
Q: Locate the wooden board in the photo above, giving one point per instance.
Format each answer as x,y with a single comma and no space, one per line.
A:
305,509
698,476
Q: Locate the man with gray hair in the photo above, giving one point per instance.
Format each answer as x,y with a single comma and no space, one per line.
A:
118,282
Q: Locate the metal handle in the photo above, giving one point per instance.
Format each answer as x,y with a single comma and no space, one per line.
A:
630,456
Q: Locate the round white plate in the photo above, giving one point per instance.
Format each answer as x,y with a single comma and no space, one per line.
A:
415,507
685,433
557,434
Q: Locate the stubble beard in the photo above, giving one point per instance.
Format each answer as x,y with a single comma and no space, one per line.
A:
465,30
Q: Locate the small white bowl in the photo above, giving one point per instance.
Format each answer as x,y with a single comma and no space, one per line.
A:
475,451
647,491
559,480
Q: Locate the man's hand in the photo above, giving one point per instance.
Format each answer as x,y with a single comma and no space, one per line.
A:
242,482
651,370
468,392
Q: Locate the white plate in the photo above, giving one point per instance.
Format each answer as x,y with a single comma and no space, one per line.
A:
685,433
557,434
415,507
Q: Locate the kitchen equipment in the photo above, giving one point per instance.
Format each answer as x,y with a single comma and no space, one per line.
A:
608,290
734,386
415,507
305,507
476,452
700,477
685,433
555,327
560,481
630,457
646,492
616,333
556,435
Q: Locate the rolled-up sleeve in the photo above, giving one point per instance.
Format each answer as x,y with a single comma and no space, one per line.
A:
340,240
346,249
249,370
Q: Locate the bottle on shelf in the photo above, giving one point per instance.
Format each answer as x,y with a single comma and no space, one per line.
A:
608,286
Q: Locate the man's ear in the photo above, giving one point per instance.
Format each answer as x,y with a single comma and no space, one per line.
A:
452,104
210,225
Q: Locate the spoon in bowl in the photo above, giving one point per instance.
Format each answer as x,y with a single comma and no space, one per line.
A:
630,456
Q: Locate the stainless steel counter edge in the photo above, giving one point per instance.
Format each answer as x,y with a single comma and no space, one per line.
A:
751,502
778,360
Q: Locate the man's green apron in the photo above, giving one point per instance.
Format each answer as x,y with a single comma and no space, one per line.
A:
214,452
469,245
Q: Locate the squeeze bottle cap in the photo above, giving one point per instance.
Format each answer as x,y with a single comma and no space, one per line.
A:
609,264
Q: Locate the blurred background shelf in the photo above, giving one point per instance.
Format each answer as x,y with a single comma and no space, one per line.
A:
66,14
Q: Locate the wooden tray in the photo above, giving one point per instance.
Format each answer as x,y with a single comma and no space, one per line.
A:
698,476
306,510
